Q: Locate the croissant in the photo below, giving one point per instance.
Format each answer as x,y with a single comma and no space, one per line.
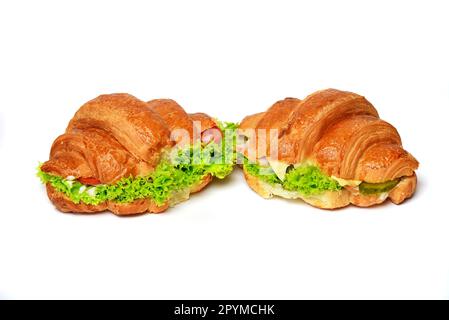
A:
118,154
330,150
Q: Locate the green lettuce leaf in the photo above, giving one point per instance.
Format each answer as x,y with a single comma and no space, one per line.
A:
265,174
307,180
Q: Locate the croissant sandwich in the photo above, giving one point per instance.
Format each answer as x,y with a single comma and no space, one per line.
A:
330,150
127,156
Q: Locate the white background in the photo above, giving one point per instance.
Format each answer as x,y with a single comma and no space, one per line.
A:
230,59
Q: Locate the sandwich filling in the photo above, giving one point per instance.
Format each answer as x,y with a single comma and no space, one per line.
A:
178,170
309,180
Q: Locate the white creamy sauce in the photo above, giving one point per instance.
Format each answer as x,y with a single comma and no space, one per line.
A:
92,191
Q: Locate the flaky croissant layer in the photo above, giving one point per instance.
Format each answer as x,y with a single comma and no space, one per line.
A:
341,134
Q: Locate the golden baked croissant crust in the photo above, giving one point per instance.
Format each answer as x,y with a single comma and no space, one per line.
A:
111,138
341,134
